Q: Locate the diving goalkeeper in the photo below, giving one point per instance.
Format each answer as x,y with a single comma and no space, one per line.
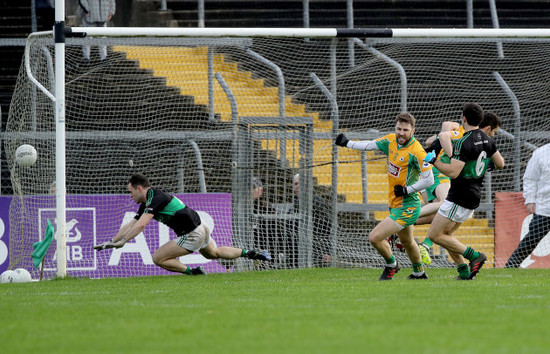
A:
193,234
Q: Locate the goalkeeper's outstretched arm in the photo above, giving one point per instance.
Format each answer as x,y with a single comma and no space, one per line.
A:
134,228
127,232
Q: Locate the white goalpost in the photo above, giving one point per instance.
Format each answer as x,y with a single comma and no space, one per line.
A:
206,112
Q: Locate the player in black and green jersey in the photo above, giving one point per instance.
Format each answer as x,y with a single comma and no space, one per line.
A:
471,157
193,234
437,193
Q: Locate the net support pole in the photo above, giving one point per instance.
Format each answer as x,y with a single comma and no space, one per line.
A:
494,19
334,116
396,65
59,35
351,47
517,130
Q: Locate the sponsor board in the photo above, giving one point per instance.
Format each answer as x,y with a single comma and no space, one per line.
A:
94,219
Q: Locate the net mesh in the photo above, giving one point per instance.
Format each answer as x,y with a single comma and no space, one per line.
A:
158,106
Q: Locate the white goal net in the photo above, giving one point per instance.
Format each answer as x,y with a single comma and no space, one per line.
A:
209,119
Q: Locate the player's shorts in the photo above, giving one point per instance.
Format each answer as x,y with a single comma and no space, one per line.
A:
439,179
196,239
405,216
455,212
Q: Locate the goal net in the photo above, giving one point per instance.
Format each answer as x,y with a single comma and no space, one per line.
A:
241,129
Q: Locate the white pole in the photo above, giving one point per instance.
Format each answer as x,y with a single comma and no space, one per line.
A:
60,138
206,32
313,32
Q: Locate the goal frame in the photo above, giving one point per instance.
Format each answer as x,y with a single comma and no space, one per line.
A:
60,32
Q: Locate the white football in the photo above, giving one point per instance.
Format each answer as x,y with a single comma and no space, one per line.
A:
21,275
7,277
26,155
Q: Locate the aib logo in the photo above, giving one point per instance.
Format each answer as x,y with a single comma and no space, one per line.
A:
80,234
73,234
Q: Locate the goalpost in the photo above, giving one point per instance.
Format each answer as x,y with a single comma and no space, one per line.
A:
207,112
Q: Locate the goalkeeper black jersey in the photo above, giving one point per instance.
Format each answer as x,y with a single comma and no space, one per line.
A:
169,210
475,149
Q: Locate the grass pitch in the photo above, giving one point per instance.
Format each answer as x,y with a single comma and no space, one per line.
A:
294,311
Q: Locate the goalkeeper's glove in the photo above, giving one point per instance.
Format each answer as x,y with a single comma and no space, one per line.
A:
400,191
430,157
490,166
341,140
109,244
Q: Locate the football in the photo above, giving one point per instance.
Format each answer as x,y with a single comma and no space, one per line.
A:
7,277
21,275
26,155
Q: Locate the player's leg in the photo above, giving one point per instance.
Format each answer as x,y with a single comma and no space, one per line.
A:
378,238
427,219
461,266
210,250
441,232
428,211
213,252
448,219
411,247
442,228
226,252
167,257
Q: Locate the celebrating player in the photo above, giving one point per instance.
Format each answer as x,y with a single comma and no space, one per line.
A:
437,192
470,160
407,175
193,234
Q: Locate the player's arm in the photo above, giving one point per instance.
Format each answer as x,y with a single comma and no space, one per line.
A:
448,126
445,139
134,229
445,127
430,141
531,178
363,145
452,169
115,241
123,230
498,160
426,180
127,232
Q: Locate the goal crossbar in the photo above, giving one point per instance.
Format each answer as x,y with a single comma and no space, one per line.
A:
311,32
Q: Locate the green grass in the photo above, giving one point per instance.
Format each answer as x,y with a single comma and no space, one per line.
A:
295,311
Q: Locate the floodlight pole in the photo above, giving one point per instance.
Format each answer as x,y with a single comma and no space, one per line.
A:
60,194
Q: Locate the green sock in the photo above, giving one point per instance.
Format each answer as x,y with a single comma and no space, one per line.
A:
470,254
428,242
463,270
243,253
188,271
390,260
418,268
